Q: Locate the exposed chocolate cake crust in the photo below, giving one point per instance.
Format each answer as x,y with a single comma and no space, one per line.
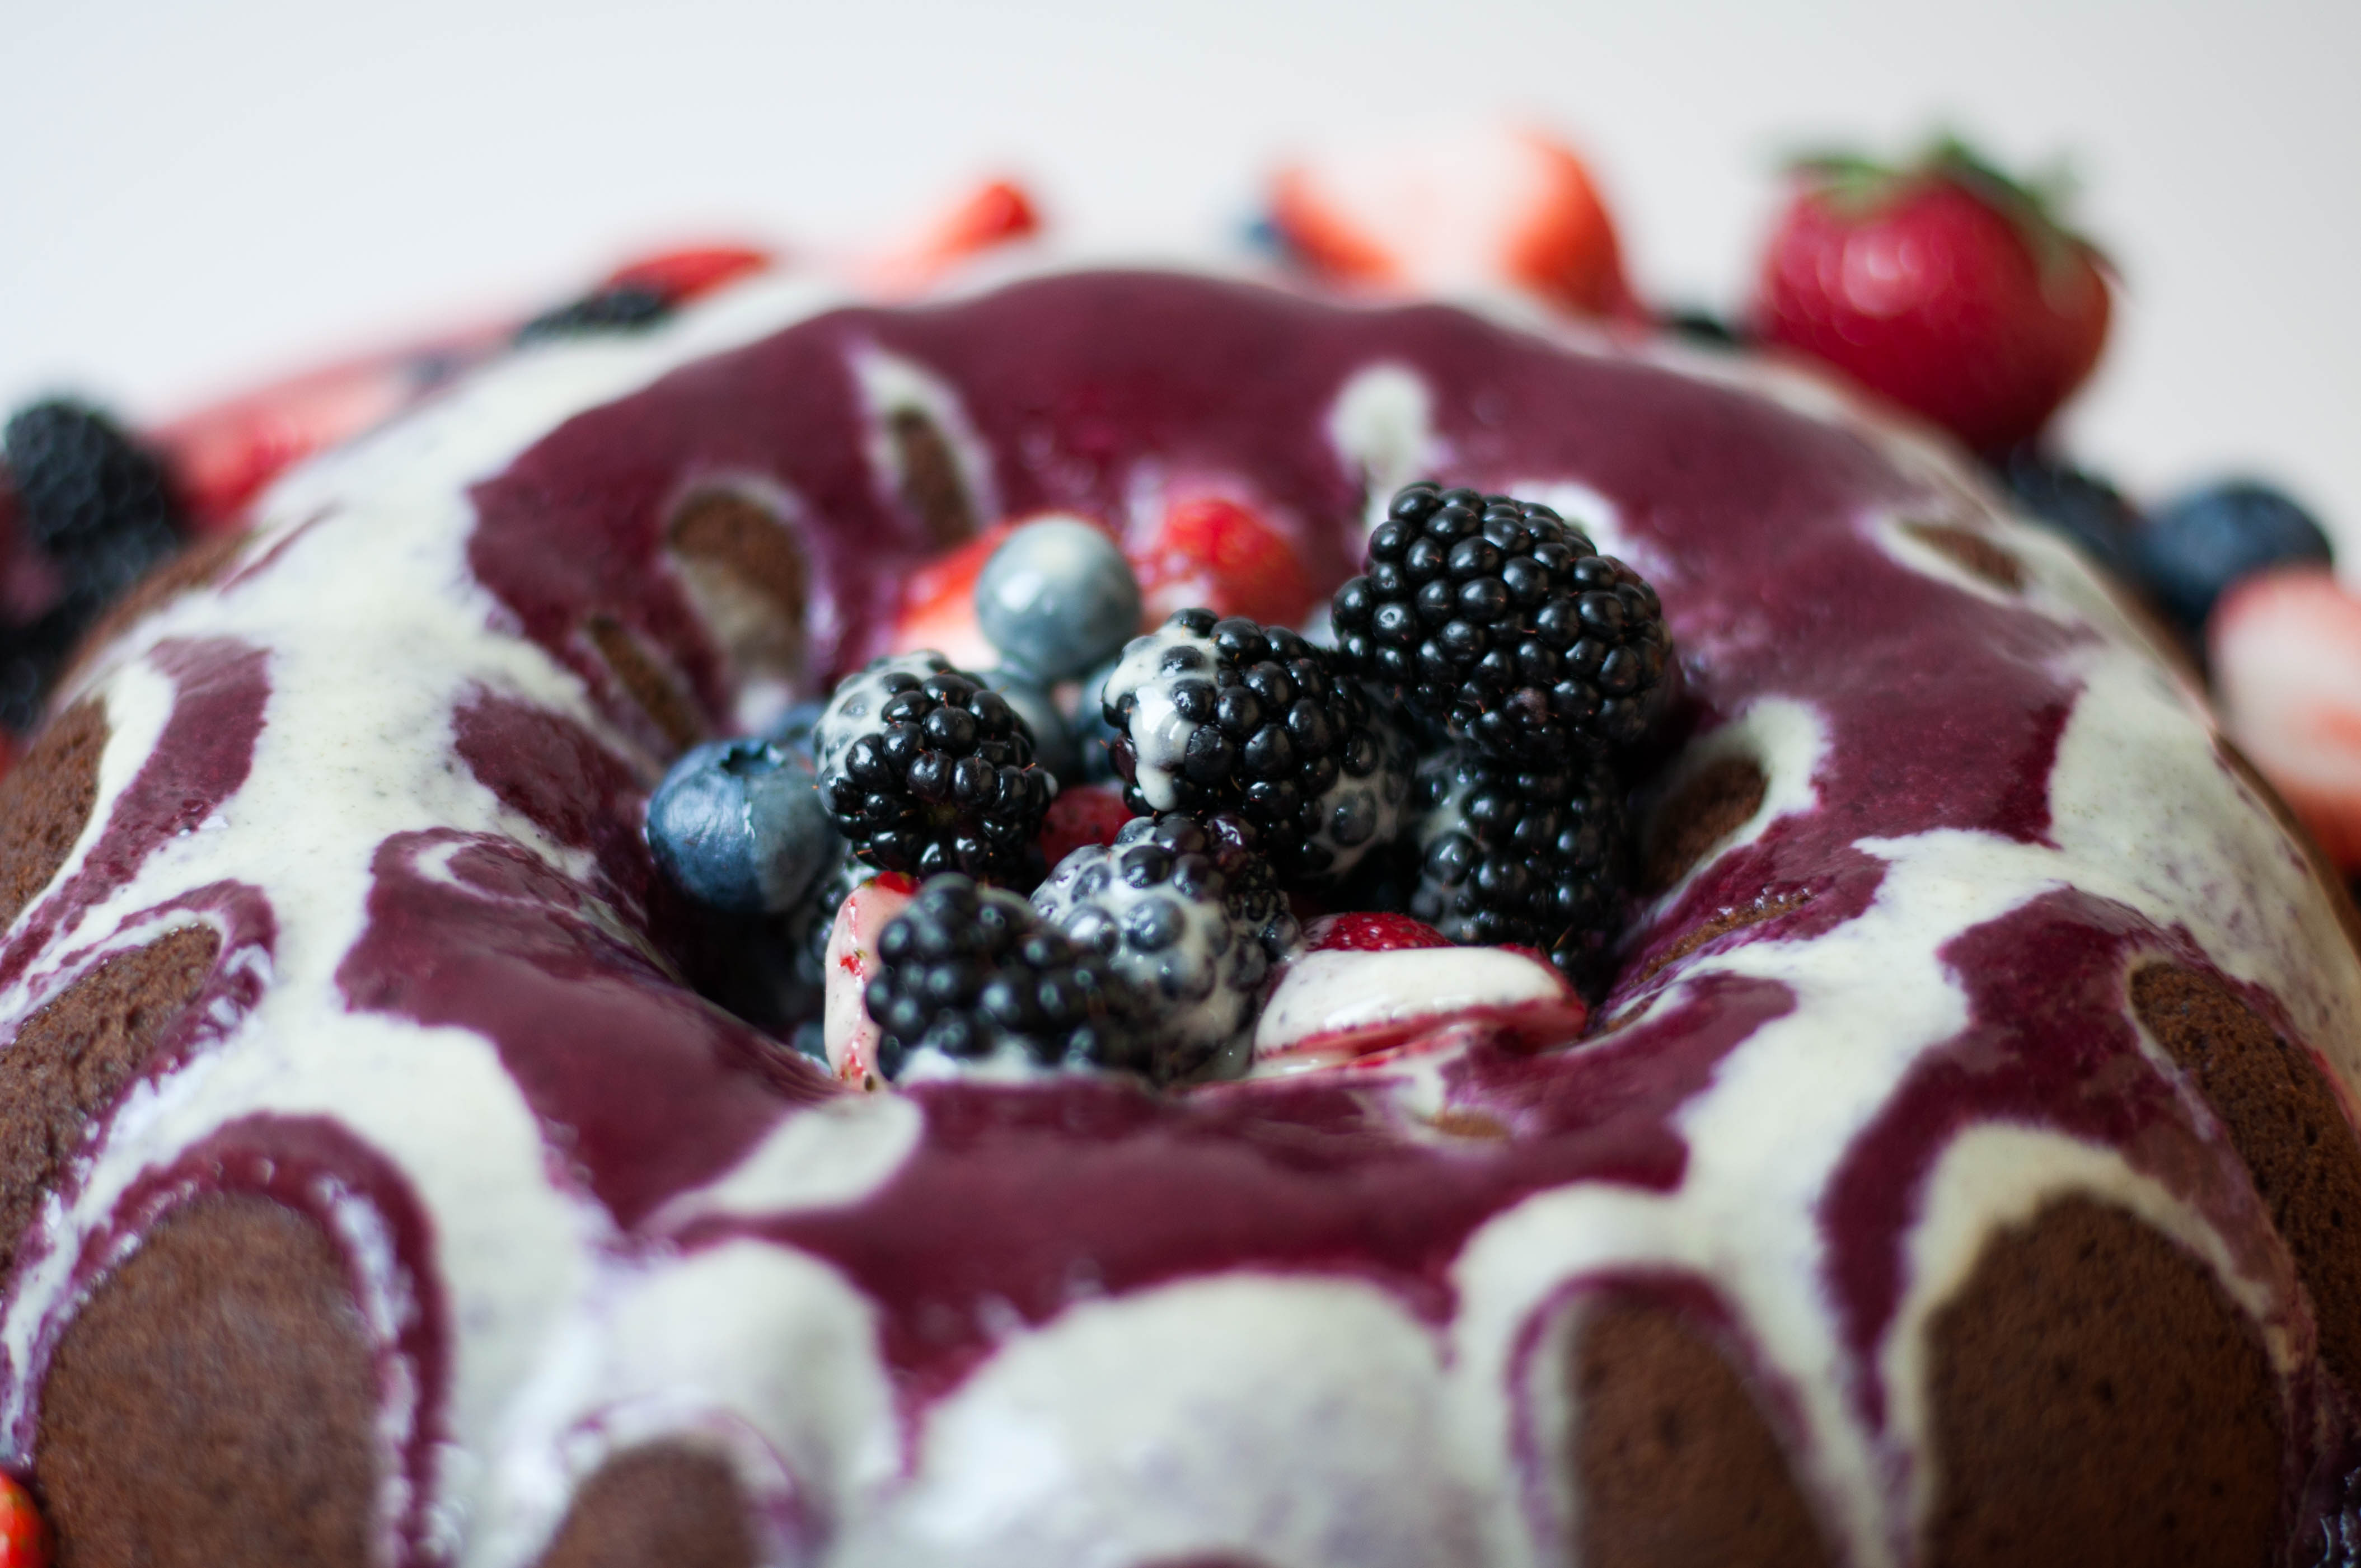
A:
2098,1400
45,803
215,1402
664,1504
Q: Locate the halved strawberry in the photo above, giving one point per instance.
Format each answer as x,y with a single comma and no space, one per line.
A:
691,272
851,1035
1499,206
2285,648
1218,554
993,214
1367,931
939,605
25,1541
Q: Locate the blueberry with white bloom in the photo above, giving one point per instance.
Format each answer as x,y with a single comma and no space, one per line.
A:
1058,598
740,825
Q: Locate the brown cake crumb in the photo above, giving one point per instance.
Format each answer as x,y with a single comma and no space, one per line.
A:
1767,907
645,680
2097,1399
746,574
1704,809
45,803
72,1058
931,486
664,1504
215,1402
2287,1122
1972,552
1673,1464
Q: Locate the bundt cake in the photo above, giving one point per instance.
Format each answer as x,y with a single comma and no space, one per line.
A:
1956,1166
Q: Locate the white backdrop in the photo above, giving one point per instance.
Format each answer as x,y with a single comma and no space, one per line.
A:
191,194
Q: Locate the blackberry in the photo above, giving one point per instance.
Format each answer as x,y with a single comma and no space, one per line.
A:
99,510
926,770
615,307
972,972
1536,858
1229,715
1192,917
1492,617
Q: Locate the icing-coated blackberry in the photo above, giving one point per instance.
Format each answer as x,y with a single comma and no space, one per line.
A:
1492,617
1536,858
926,770
972,972
1227,715
1190,915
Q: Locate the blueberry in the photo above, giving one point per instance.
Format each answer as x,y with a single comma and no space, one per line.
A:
2202,541
1093,733
1058,598
1053,736
740,825
2084,508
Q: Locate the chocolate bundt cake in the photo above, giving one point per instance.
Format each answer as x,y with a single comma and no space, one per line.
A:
1959,1168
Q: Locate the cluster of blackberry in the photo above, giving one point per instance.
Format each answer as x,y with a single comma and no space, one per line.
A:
926,770
97,513
1226,715
1543,662
1490,617
970,971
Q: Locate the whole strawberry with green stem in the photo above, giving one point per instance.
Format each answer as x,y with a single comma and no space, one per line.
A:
1945,285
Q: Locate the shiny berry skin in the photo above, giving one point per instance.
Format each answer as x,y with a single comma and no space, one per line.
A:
2198,545
1221,555
1058,598
2285,650
1944,286
2080,505
25,1541
740,825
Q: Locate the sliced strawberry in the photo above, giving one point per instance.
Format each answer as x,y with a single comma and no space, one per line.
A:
996,213
691,272
1218,554
939,605
1361,1005
24,1540
851,1035
1082,813
2286,649
1365,931
1499,207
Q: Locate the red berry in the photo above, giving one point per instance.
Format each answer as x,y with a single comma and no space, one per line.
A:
23,1534
939,605
1947,288
2286,650
1362,931
1217,555
1082,813
680,276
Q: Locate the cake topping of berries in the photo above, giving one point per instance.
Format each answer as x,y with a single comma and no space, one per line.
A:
1228,714
1944,285
1522,857
1192,917
1057,598
1491,616
974,972
927,770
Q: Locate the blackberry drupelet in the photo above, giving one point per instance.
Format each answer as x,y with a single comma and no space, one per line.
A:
972,971
1192,917
926,770
1229,715
1535,858
98,509
1493,617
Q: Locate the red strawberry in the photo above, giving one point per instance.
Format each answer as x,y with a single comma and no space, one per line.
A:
691,272
23,1534
1364,931
1947,287
994,214
2285,648
1492,206
1082,813
1217,554
939,605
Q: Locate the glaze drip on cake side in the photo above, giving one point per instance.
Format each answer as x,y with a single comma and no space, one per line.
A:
1329,1309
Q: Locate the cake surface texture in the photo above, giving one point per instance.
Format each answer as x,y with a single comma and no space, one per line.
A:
1961,1169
